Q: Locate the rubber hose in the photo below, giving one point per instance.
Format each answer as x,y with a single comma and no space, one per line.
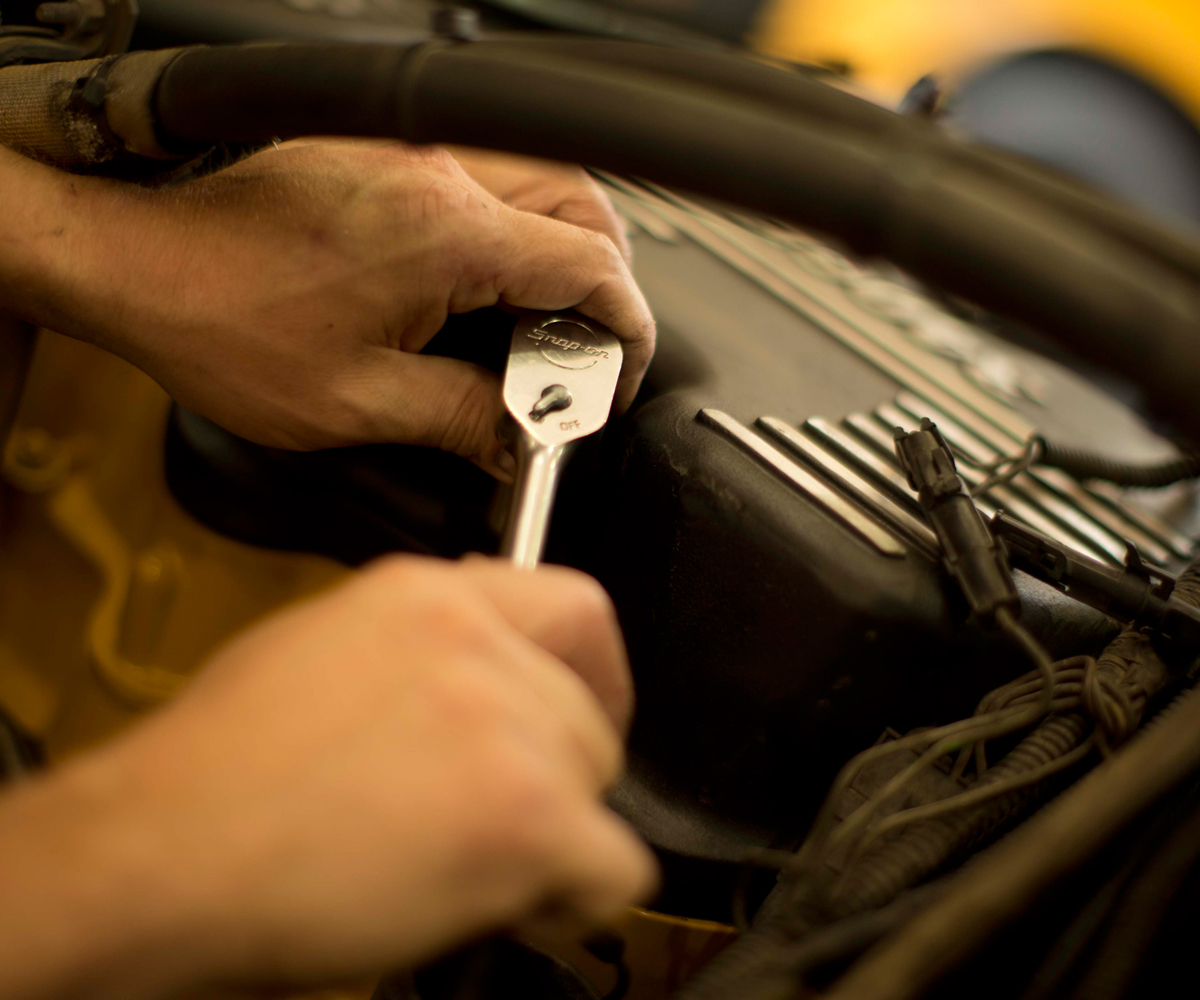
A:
799,94
1087,465
947,226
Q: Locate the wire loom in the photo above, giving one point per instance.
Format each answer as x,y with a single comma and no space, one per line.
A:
1085,465
822,913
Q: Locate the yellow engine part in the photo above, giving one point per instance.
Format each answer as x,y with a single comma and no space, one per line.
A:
889,44
111,595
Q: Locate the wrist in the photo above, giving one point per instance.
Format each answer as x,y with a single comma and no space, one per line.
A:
38,239
62,242
98,904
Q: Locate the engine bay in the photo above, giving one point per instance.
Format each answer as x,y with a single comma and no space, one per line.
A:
827,730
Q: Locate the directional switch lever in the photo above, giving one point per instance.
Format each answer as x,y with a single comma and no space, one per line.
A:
554,398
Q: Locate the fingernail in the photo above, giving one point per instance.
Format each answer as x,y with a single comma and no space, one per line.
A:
505,462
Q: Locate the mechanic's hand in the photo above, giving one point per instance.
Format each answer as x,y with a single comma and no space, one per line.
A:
556,190
362,782
286,297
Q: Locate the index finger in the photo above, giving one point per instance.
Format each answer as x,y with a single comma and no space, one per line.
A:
547,264
569,615
546,187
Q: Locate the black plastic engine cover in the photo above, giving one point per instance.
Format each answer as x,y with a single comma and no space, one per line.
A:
770,643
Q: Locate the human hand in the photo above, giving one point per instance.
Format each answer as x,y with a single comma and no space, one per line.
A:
286,297
358,784
555,190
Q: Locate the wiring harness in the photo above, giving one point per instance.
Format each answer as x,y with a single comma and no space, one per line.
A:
1085,465
852,880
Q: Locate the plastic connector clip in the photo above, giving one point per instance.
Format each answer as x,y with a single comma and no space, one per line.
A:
970,553
1134,593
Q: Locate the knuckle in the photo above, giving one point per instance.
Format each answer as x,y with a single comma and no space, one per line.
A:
604,250
458,618
438,158
583,188
588,602
433,199
466,699
400,571
525,807
440,202
432,600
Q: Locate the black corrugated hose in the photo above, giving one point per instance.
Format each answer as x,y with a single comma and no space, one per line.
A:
1087,465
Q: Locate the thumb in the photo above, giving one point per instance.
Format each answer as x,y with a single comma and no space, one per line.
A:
438,402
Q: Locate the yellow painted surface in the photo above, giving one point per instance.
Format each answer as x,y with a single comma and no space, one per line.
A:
98,555
891,43
662,952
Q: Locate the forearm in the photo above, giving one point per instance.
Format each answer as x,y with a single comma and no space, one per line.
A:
94,905
38,234
62,243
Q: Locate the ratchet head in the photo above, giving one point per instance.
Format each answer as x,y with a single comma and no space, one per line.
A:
561,376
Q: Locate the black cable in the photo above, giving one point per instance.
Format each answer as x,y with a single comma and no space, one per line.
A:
1088,465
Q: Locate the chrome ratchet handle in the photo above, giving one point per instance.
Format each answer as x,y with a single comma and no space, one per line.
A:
539,469
558,388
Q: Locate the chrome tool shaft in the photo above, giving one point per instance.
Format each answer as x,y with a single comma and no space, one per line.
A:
559,384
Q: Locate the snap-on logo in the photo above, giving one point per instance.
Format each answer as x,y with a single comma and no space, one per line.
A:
571,351
567,345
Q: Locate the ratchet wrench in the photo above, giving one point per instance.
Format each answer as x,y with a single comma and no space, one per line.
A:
558,386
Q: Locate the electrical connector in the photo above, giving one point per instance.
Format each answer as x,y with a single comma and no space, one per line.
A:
969,551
